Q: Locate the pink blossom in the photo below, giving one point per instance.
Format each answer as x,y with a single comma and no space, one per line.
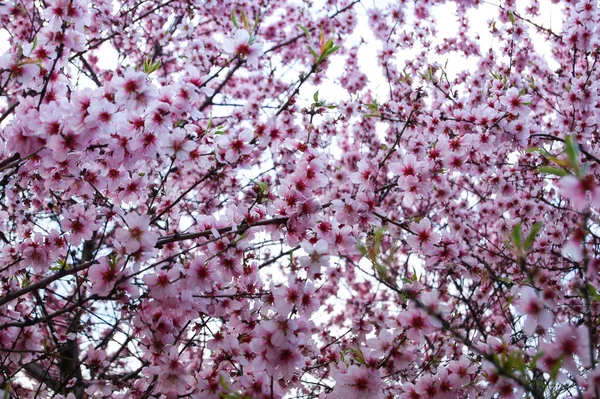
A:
460,371
357,383
80,222
315,257
582,192
515,102
133,88
534,309
244,45
232,147
136,236
424,236
176,144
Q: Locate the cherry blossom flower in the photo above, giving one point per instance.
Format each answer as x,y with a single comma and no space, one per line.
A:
136,236
582,192
177,145
244,45
232,147
460,371
80,222
133,88
424,236
534,309
315,257
515,102
356,383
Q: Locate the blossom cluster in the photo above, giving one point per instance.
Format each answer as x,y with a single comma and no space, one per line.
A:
204,220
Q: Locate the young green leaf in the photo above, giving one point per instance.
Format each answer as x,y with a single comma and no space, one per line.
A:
572,151
516,237
532,234
549,170
234,19
511,16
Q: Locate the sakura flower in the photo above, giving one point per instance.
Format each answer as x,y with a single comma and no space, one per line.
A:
171,374
136,236
102,113
582,192
427,387
133,89
424,236
176,144
515,102
460,371
316,257
104,275
357,383
407,170
35,251
201,274
573,248
243,45
286,298
344,210
62,144
161,284
232,147
366,170
286,359
534,310
417,323
80,223
571,341
96,359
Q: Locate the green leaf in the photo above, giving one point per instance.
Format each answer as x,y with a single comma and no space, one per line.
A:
572,150
306,32
358,355
245,19
26,282
223,383
511,16
549,170
6,394
516,237
316,96
150,67
234,19
534,360
332,50
555,369
380,270
593,293
377,239
362,248
532,234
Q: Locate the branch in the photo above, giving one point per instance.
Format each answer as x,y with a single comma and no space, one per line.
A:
43,283
223,230
9,111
